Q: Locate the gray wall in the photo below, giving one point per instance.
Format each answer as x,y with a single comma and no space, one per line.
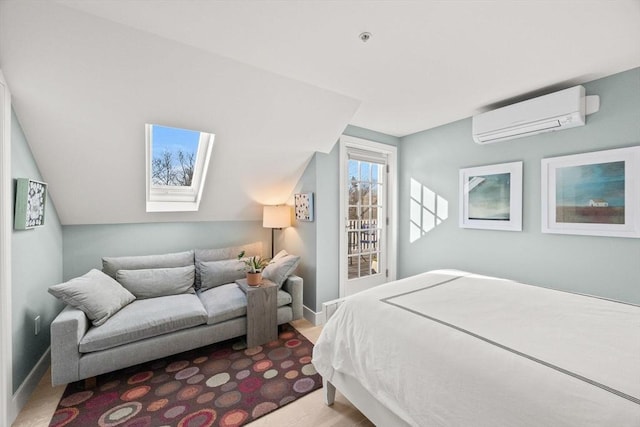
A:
318,242
603,266
85,245
36,264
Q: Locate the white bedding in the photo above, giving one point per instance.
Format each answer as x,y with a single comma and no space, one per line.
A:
449,348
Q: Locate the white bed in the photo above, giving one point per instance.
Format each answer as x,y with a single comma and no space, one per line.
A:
450,348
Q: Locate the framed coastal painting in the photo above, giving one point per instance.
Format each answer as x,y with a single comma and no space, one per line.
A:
304,206
594,193
491,197
31,200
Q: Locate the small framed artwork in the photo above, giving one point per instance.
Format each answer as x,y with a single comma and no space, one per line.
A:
304,206
31,200
595,194
491,197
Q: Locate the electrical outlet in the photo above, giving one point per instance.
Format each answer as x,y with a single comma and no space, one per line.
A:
36,322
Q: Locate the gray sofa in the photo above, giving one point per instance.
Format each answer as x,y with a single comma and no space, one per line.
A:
149,328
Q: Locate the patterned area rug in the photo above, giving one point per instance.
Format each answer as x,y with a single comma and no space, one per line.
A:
223,384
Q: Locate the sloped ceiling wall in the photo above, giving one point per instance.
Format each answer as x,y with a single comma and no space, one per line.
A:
83,88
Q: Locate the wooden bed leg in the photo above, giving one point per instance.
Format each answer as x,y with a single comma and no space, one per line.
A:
329,392
90,383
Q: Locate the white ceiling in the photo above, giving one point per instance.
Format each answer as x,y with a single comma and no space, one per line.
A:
276,81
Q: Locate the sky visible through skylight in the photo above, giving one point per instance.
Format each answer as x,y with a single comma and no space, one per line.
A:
174,139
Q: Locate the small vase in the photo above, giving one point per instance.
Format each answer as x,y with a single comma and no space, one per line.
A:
254,279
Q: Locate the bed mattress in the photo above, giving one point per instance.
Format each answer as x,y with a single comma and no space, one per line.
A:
451,348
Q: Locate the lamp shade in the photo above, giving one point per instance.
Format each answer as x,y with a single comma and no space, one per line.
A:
276,216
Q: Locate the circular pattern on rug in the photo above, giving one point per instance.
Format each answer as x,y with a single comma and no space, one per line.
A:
293,343
187,372
200,360
218,379
234,418
258,356
287,399
215,366
279,353
292,374
156,405
287,335
250,385
205,397
76,398
174,411
62,417
102,400
229,386
140,377
228,399
305,360
309,370
168,388
275,389
287,364
262,365
119,414
241,364
109,385
195,379
201,418
160,378
177,366
211,386
253,350
263,408
243,374
135,393
271,373
303,385
189,392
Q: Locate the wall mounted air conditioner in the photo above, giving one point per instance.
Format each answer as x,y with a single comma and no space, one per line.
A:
556,111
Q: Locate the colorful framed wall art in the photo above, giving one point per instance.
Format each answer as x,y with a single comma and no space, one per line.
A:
304,206
31,201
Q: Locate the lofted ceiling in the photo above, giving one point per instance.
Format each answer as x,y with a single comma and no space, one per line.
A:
275,81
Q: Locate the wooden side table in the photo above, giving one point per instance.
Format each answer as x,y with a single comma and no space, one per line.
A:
262,311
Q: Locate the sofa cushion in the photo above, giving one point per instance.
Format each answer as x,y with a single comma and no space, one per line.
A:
228,302
158,282
223,303
146,318
96,294
216,273
111,265
231,252
280,268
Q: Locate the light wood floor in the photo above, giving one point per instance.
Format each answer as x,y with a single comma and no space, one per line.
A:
309,410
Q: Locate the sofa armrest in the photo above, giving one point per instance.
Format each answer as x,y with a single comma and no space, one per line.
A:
293,285
67,329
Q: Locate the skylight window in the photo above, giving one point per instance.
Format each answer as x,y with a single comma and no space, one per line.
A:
177,162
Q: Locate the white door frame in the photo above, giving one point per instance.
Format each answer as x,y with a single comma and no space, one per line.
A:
6,192
391,151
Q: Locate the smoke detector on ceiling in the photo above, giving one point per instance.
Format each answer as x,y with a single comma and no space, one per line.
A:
365,36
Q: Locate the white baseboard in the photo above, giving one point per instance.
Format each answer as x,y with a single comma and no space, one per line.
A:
312,316
28,386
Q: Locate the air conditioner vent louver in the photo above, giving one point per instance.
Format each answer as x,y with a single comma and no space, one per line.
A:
556,111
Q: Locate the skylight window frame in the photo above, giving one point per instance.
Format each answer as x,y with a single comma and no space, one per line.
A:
169,198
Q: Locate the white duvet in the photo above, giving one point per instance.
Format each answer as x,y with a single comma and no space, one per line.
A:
449,348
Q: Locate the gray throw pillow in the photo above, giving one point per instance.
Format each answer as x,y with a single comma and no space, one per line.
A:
96,294
224,254
158,282
111,265
282,267
216,273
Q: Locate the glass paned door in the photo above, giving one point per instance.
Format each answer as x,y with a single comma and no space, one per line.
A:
364,225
